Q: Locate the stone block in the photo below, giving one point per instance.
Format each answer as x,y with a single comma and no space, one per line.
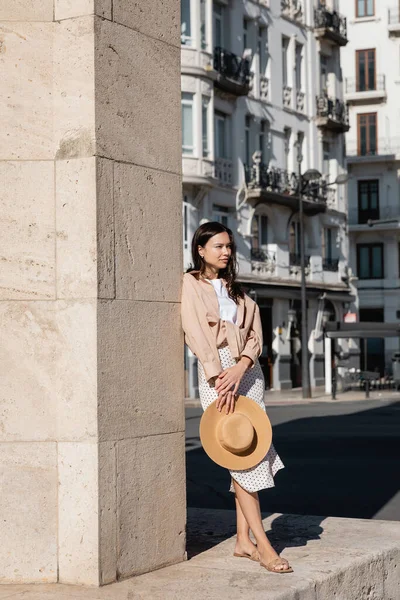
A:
137,98
26,91
27,241
76,212
164,24
74,84
151,503
26,10
108,512
28,508
391,574
105,229
140,383
78,513
48,383
67,9
148,234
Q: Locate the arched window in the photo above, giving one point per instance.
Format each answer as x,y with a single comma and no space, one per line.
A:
294,238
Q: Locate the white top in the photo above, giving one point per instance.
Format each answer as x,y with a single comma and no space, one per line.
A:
227,306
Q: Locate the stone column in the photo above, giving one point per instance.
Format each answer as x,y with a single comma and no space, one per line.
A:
92,418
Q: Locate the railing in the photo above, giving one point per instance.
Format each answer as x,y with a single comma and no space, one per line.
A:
295,260
354,84
300,101
223,170
231,66
330,264
394,16
324,19
287,96
377,147
292,9
279,181
332,108
263,260
264,87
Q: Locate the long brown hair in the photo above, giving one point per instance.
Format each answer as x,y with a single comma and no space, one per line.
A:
229,273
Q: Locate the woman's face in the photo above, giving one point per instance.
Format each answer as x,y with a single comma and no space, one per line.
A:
217,251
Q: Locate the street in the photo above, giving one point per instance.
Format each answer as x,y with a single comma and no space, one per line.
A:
341,459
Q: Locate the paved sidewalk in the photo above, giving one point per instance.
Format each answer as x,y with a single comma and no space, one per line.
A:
286,397
340,559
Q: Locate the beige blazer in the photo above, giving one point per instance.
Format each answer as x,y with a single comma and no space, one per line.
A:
205,331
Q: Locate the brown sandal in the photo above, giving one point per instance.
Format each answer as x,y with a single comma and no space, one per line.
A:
253,556
271,566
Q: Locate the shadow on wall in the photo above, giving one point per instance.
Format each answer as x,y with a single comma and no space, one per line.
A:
343,466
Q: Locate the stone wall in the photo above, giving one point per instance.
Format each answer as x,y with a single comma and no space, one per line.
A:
92,417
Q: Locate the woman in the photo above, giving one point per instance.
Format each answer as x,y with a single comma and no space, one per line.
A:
223,329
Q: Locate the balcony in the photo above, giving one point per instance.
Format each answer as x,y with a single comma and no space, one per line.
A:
330,264
295,264
233,72
263,262
378,150
293,10
394,21
277,186
330,26
332,114
358,92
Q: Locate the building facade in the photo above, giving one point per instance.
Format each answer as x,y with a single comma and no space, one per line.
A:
371,66
262,101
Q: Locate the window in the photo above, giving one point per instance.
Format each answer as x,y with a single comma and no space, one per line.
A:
219,14
365,8
300,143
367,130
285,47
326,151
294,238
203,25
187,123
245,39
324,60
221,135
259,232
220,214
370,261
327,244
247,125
287,132
262,42
205,123
186,29
368,200
261,141
366,71
298,66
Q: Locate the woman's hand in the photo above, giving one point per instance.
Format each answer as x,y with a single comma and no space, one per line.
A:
227,400
227,384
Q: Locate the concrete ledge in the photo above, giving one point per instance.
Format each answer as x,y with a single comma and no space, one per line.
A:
333,559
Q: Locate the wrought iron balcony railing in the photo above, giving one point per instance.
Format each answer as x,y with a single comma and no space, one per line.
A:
333,109
295,260
330,264
357,84
331,21
279,181
374,147
231,66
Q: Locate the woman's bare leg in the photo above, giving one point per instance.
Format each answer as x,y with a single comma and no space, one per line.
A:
244,545
250,507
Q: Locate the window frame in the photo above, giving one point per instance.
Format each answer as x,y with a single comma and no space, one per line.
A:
364,52
370,247
218,115
368,142
221,214
258,219
192,103
205,126
370,211
285,60
365,16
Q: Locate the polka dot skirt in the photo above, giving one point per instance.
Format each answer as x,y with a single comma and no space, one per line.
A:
252,385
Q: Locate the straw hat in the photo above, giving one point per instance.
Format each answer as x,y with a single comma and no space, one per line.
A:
238,440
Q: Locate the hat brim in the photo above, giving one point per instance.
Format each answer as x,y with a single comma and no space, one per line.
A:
223,457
